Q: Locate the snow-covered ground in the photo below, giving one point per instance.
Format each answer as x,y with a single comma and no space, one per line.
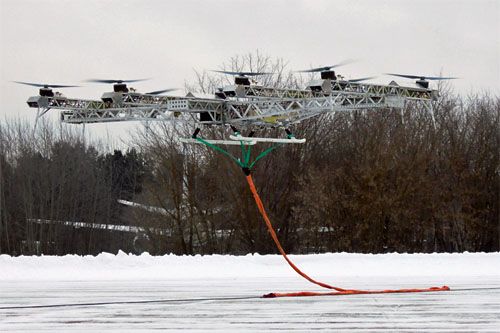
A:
182,282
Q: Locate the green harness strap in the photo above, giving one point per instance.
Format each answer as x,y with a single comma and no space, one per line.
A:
244,162
219,149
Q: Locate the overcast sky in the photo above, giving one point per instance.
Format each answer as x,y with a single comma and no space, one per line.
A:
66,42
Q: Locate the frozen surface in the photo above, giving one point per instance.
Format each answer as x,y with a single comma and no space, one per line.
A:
180,280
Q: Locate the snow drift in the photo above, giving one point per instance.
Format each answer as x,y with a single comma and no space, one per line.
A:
123,266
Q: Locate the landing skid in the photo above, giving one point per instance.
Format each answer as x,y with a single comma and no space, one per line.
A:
237,139
274,140
219,142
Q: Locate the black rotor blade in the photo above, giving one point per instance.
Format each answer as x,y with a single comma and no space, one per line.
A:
435,78
158,92
406,76
314,70
326,68
362,79
422,77
109,81
242,73
61,86
41,85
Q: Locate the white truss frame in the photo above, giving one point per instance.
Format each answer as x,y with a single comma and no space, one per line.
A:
261,105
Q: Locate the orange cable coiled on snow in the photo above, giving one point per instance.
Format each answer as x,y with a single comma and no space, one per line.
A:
338,291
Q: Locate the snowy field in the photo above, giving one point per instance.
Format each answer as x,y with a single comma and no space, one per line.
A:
222,293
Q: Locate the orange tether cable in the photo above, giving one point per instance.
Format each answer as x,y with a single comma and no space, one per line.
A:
338,291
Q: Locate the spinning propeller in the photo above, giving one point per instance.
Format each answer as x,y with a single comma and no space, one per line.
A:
242,73
241,78
361,79
327,71
159,92
422,80
114,81
45,88
118,85
422,77
326,68
45,85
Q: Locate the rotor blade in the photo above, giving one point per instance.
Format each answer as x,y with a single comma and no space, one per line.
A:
158,92
241,73
362,79
422,77
406,76
61,86
30,84
109,81
102,81
314,70
343,63
432,78
327,68
40,85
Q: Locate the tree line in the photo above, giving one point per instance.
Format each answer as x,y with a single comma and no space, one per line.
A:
52,182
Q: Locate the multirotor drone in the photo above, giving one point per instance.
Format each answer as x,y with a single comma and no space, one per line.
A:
242,105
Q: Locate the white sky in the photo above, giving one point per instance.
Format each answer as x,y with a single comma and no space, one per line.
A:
66,42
